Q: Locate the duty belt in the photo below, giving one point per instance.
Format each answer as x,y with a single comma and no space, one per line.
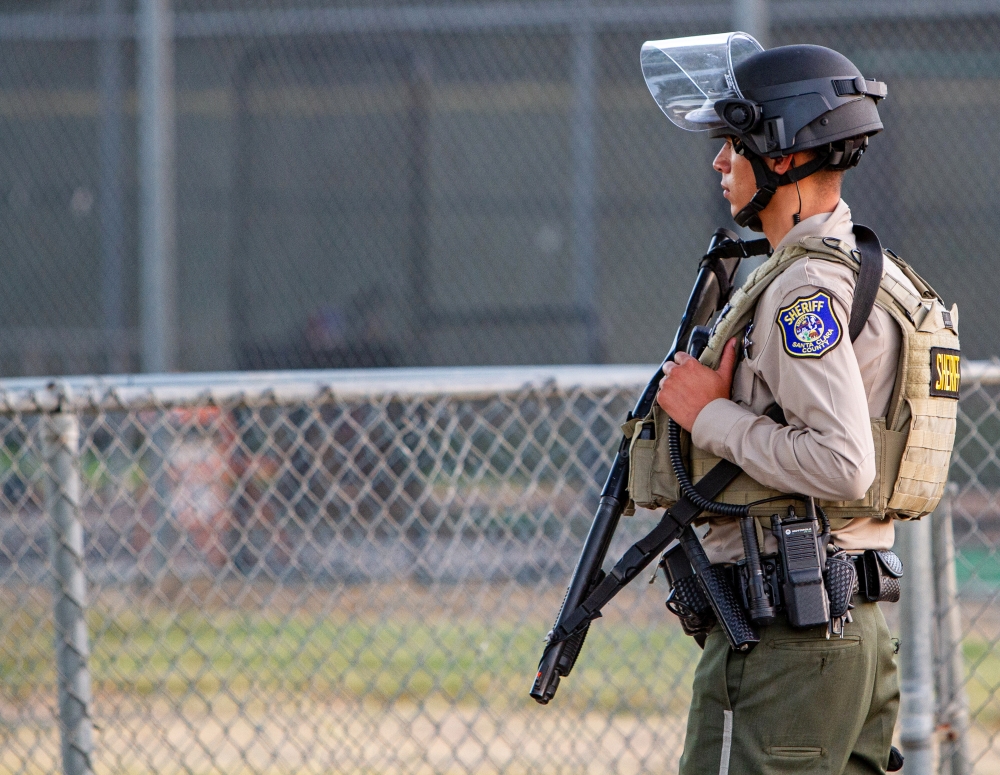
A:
876,579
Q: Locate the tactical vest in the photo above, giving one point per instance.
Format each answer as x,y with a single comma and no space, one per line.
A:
913,442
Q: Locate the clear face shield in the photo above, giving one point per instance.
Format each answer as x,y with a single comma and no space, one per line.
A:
687,76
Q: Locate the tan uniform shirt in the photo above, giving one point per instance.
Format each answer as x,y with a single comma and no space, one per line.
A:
826,449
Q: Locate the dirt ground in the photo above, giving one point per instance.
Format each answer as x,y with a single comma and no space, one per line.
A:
309,737
305,736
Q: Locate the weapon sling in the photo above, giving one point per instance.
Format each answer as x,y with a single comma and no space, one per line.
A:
642,552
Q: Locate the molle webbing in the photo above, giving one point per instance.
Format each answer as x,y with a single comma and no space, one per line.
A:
930,420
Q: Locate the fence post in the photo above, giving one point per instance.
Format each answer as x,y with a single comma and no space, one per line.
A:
61,444
953,710
584,207
754,18
916,651
157,187
111,187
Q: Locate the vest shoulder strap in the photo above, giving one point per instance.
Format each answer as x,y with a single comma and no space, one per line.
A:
868,261
869,279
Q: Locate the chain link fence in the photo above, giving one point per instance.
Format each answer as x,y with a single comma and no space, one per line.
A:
353,572
430,183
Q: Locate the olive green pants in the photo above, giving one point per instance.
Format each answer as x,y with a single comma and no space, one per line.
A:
796,703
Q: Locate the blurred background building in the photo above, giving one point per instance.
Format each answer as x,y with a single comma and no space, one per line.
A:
410,183
353,572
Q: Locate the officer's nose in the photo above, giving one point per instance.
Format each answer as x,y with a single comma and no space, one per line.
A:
721,162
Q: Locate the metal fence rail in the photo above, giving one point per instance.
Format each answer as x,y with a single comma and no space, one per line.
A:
352,572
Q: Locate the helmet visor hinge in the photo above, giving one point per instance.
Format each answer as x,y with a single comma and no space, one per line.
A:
740,115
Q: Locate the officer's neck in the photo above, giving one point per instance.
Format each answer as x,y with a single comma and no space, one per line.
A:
778,217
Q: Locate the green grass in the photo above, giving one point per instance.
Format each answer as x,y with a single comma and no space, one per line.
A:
981,565
406,659
644,669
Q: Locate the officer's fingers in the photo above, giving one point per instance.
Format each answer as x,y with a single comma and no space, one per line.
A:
728,362
661,397
682,357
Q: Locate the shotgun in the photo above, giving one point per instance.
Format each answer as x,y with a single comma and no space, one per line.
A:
590,587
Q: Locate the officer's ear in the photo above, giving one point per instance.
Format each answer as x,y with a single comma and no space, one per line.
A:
782,164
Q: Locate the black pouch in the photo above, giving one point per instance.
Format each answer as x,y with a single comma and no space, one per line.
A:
686,599
841,580
878,576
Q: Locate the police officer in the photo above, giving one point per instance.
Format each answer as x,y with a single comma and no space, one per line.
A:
791,120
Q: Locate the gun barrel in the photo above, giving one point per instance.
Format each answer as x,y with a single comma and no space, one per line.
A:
547,679
558,658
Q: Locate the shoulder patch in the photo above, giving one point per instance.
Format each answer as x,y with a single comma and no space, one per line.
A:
810,326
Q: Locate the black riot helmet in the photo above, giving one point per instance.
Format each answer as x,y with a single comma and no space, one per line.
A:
772,103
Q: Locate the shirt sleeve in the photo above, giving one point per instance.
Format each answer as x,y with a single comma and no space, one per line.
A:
826,449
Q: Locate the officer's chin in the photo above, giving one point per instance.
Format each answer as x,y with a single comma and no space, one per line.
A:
733,207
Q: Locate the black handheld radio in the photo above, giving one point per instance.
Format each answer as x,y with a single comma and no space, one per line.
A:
802,557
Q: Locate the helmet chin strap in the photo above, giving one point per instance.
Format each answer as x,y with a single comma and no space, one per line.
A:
768,182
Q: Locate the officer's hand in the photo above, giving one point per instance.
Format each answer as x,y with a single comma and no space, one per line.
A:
688,386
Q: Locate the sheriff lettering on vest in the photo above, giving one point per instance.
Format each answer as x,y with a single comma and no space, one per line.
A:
831,379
